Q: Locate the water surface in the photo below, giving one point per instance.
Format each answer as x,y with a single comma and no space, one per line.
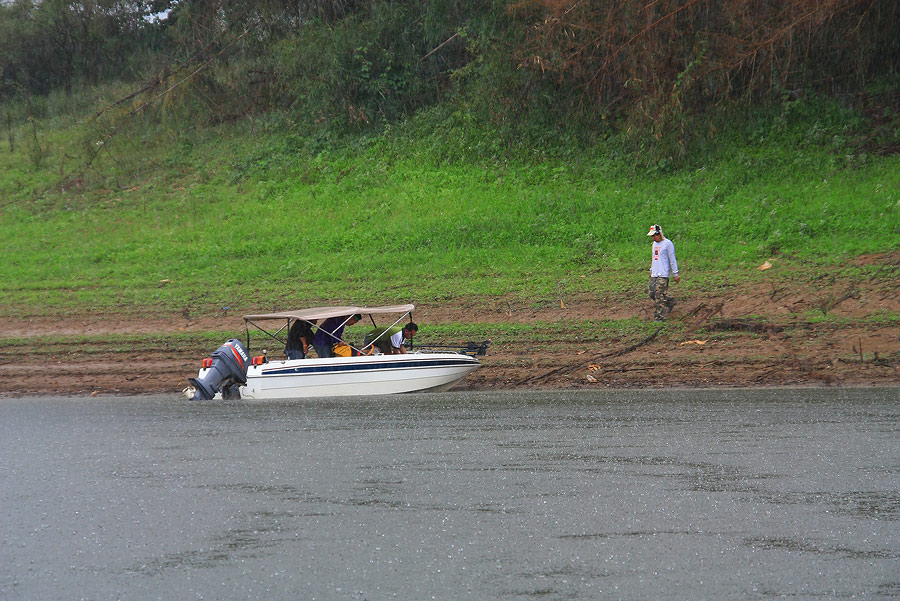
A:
728,494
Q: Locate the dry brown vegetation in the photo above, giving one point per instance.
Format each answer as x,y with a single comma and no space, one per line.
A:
662,61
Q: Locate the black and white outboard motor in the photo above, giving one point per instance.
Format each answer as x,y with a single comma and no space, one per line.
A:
225,368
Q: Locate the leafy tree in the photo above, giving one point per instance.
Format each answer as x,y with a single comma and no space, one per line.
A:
55,43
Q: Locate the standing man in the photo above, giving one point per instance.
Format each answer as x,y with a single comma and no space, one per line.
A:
662,266
330,332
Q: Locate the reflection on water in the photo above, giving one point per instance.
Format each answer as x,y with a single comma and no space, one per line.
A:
805,546
626,495
863,504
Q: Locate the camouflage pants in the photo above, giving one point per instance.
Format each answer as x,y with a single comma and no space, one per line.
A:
659,287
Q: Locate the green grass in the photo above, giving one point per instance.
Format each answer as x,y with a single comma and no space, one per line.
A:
250,216
878,318
129,344
535,334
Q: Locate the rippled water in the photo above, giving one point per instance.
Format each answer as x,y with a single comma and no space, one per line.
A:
610,495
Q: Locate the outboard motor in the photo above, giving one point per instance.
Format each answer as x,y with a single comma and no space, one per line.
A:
228,364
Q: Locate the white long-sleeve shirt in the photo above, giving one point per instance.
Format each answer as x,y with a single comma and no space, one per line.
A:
663,263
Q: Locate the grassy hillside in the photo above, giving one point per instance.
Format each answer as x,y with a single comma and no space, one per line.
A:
249,215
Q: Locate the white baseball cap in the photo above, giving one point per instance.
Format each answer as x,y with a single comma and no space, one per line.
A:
655,229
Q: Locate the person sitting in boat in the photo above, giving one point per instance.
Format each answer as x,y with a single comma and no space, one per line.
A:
390,340
300,338
330,332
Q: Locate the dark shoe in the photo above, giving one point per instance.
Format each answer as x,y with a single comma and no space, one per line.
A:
670,302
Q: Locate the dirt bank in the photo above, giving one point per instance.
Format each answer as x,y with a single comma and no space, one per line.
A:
824,331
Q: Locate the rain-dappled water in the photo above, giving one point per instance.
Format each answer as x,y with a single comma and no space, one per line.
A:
728,494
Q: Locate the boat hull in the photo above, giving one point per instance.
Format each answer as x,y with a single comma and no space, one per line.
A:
355,376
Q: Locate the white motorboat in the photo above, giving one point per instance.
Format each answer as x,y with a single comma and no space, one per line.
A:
232,371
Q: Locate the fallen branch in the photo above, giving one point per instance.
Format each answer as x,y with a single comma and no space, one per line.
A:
202,65
565,369
704,314
633,346
441,45
610,370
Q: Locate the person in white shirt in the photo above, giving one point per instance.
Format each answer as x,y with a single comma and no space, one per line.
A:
662,266
390,340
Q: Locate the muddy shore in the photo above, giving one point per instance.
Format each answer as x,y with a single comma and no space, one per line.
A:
767,335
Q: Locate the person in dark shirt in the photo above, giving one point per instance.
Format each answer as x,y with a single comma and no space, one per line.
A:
330,332
300,338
